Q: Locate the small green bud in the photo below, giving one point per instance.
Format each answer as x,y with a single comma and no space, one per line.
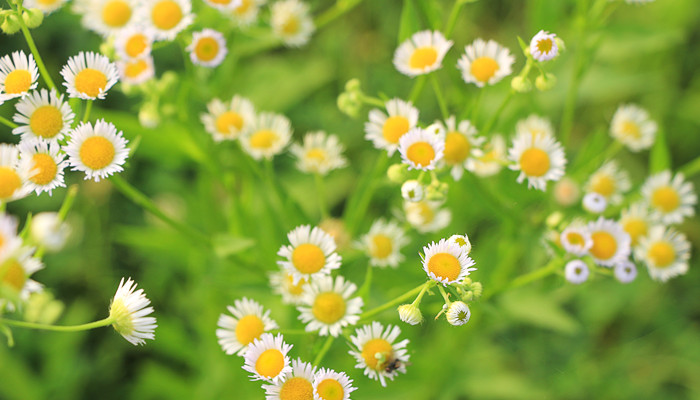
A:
10,25
33,17
148,115
410,314
560,44
521,84
349,105
477,289
353,85
554,219
545,82
107,48
436,191
397,173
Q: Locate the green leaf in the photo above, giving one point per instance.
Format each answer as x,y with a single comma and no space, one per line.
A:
409,23
660,156
432,13
539,310
226,245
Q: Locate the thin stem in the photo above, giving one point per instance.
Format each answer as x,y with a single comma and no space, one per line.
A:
338,9
359,201
364,289
7,122
452,19
440,97
88,108
530,277
321,194
489,125
691,168
37,58
326,346
475,107
60,328
427,285
417,88
391,303
67,202
445,296
371,100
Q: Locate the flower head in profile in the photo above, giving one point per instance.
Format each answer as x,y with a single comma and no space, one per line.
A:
129,309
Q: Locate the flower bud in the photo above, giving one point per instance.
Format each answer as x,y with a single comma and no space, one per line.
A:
436,191
412,190
349,105
594,203
10,25
410,314
521,84
149,116
545,82
48,230
478,289
33,17
458,313
397,173
353,85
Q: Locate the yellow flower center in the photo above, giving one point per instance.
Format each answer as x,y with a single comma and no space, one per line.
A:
297,289
636,228
483,68
222,2
248,329
228,122
461,241
206,49
18,81
90,82
534,162
135,68
421,153
47,2
382,245
317,154
116,13
45,169
291,26
270,363
457,148
263,139
445,266
394,128
308,258
666,199
544,45
603,185
575,239
297,388
96,152
370,350
631,129
330,389
46,121
166,14
604,245
9,182
245,6
14,276
328,307
136,45
423,57
425,212
123,323
662,254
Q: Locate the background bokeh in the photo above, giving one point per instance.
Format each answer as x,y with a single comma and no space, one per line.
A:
546,340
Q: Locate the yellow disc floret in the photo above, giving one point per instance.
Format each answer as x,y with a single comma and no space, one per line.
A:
263,139
534,162
308,258
166,14
206,49
96,152
136,45
90,82
44,169
270,363
456,148
10,182
14,275
328,307
662,254
544,45
135,68
665,198
297,388
394,128
604,245
382,246
46,121
603,185
374,347
330,389
444,266
636,228
421,153
483,68
248,329
18,81
116,13
423,57
229,121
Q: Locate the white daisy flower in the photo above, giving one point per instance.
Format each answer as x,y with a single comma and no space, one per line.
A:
298,385
625,271
670,199
412,190
375,351
320,153
328,306
14,175
611,244
446,263
535,126
426,216
107,17
89,75
331,385
18,75
225,6
610,182
462,241
133,42
208,48
422,53
46,6
635,220
543,46
15,271
267,136
485,63
461,146
385,130
632,127
421,149
167,18
49,231
9,241
99,152
311,254
458,313
283,284
46,164
410,314
576,239
383,243
538,158
247,12
136,71
665,251
491,159
566,192
129,309
291,21
228,120
43,114
266,358
250,320
576,272
594,203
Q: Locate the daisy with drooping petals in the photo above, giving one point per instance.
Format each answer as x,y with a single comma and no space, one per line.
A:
485,63
446,263
129,309
107,17
43,114
458,313
385,130
45,165
208,48
18,75
46,6
461,143
15,271
670,199
13,174
331,385
136,71
421,53
167,17
635,220
375,349
576,272
227,120
283,284
625,271
89,75
427,216
611,244
538,158
665,251
536,126
421,149
292,22
632,127
248,323
491,158
99,151
319,154
383,243
266,358
543,46
311,253
576,239
328,306
267,136
298,385
610,182
133,42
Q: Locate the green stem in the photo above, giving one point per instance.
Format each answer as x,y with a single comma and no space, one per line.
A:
364,290
440,97
37,58
326,346
417,88
338,9
489,125
392,303
362,196
427,285
71,328
452,19
691,168
475,107
444,295
88,108
67,202
7,122
530,277
321,194
373,101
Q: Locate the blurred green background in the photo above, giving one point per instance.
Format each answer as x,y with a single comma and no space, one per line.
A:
546,340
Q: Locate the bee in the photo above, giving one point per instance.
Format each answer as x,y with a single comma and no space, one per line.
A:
392,365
